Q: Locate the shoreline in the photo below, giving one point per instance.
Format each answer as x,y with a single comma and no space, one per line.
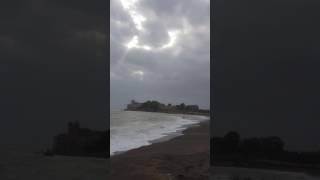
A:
166,137
185,155
181,113
171,135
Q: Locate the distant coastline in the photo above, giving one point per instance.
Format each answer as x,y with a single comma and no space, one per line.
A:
155,106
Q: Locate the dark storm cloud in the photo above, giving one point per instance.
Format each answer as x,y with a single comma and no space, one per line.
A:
174,74
53,67
266,70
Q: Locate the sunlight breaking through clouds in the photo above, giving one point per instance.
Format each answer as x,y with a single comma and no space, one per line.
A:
138,74
172,39
137,18
134,43
160,51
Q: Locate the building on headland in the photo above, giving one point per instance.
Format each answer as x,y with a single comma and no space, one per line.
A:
170,108
192,108
134,105
79,141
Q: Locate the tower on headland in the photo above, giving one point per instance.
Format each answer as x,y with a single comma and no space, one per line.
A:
134,105
79,141
73,127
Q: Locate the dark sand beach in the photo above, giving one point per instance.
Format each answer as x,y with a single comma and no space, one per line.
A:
183,157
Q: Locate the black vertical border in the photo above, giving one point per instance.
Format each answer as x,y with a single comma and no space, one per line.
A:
108,74
212,2
216,54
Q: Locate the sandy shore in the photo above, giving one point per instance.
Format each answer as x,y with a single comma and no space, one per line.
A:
183,157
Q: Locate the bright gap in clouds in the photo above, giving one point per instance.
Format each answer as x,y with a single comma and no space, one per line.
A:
138,74
130,6
172,39
134,43
138,19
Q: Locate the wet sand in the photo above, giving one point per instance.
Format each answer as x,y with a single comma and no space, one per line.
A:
183,157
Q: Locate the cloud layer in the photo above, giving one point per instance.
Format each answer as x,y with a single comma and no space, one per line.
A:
160,50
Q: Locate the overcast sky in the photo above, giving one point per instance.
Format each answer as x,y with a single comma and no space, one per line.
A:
160,51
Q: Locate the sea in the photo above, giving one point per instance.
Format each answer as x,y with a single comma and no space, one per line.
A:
134,129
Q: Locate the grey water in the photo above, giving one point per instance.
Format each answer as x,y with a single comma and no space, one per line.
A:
133,129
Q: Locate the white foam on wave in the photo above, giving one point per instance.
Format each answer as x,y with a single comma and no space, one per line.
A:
152,126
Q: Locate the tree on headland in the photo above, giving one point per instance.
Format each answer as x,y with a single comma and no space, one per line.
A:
181,107
251,147
152,106
232,148
272,147
232,141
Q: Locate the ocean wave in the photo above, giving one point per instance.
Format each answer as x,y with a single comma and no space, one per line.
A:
136,129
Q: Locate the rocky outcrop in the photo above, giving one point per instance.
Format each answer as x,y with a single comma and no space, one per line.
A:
155,106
